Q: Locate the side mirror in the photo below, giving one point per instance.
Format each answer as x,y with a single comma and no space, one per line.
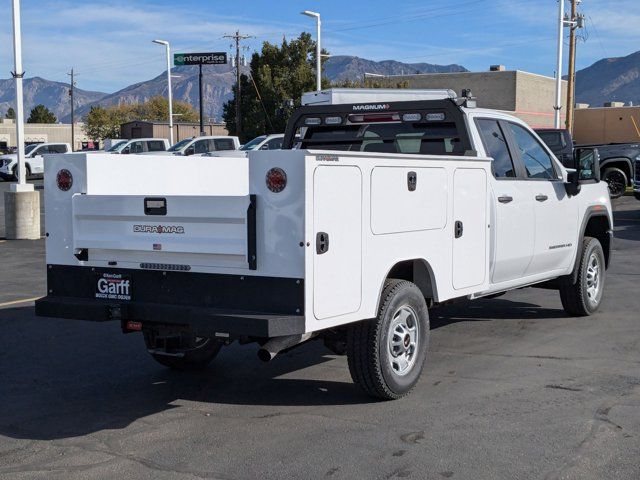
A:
126,151
587,161
264,147
573,183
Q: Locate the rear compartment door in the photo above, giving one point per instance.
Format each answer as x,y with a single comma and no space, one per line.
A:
469,227
337,227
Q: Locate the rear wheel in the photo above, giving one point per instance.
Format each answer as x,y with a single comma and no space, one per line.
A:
386,354
616,180
583,297
182,352
27,171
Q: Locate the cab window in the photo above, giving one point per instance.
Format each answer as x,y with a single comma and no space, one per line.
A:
536,160
155,146
274,144
136,147
202,146
224,144
496,147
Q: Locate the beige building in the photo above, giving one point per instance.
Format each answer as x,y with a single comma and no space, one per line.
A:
143,129
41,132
527,95
607,125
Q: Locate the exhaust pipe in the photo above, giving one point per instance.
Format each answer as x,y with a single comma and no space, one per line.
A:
275,345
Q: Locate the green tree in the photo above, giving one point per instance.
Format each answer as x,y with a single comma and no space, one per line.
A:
11,113
41,114
281,73
104,122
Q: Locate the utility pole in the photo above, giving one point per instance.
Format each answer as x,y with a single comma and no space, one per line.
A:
237,38
558,106
73,120
574,22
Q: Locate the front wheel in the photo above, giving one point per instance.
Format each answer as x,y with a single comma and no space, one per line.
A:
386,354
616,180
583,297
180,353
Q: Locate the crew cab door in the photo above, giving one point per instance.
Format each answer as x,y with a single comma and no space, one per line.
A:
556,214
512,215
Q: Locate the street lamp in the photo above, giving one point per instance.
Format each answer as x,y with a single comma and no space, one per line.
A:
17,75
168,48
316,15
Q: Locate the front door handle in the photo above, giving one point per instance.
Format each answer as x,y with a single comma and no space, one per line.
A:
505,199
322,243
541,198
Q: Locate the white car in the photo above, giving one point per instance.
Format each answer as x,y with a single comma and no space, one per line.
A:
390,205
264,142
203,145
34,160
139,145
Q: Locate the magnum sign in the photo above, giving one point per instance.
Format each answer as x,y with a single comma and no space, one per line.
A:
211,58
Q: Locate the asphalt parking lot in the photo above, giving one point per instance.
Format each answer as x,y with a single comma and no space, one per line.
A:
513,388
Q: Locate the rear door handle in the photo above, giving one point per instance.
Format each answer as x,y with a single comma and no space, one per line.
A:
505,199
541,198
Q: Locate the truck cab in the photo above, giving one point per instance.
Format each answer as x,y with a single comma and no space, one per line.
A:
381,204
204,144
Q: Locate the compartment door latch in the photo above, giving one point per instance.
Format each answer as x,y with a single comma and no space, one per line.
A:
459,228
322,243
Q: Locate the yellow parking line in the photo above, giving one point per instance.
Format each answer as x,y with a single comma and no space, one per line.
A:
17,302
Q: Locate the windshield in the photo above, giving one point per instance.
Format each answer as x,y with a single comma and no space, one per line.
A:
30,148
180,145
253,144
117,146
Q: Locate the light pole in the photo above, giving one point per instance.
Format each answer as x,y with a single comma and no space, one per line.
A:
18,74
316,15
557,107
168,48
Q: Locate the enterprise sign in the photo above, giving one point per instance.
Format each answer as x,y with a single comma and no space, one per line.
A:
211,58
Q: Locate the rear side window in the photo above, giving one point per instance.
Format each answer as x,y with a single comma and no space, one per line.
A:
155,146
224,144
496,146
535,158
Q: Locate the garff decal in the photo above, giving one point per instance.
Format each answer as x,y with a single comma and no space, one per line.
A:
179,229
113,286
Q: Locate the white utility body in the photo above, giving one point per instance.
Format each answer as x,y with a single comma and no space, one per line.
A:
388,207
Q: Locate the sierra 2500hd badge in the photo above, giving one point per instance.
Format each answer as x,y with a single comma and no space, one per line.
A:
113,286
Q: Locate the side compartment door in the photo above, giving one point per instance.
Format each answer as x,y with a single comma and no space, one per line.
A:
337,249
470,227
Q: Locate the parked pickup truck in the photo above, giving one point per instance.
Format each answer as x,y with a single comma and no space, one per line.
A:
616,160
388,207
139,145
202,145
34,159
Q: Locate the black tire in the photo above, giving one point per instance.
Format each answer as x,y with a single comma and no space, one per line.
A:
577,299
369,343
616,180
27,171
202,351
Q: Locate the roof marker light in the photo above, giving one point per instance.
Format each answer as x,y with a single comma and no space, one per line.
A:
333,120
312,121
411,117
435,117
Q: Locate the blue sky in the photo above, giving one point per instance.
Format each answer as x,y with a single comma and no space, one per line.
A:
109,42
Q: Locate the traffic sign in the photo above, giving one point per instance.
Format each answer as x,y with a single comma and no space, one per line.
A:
211,58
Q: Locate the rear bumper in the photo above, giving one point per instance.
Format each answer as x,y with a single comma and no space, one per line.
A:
202,321
204,303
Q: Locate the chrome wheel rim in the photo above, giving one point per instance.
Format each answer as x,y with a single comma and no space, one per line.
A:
402,340
593,278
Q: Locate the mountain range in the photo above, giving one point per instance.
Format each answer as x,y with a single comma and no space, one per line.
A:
610,79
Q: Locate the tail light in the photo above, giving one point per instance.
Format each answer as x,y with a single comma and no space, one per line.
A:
276,180
64,179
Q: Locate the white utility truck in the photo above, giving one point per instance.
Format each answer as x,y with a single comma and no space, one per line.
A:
33,157
393,202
